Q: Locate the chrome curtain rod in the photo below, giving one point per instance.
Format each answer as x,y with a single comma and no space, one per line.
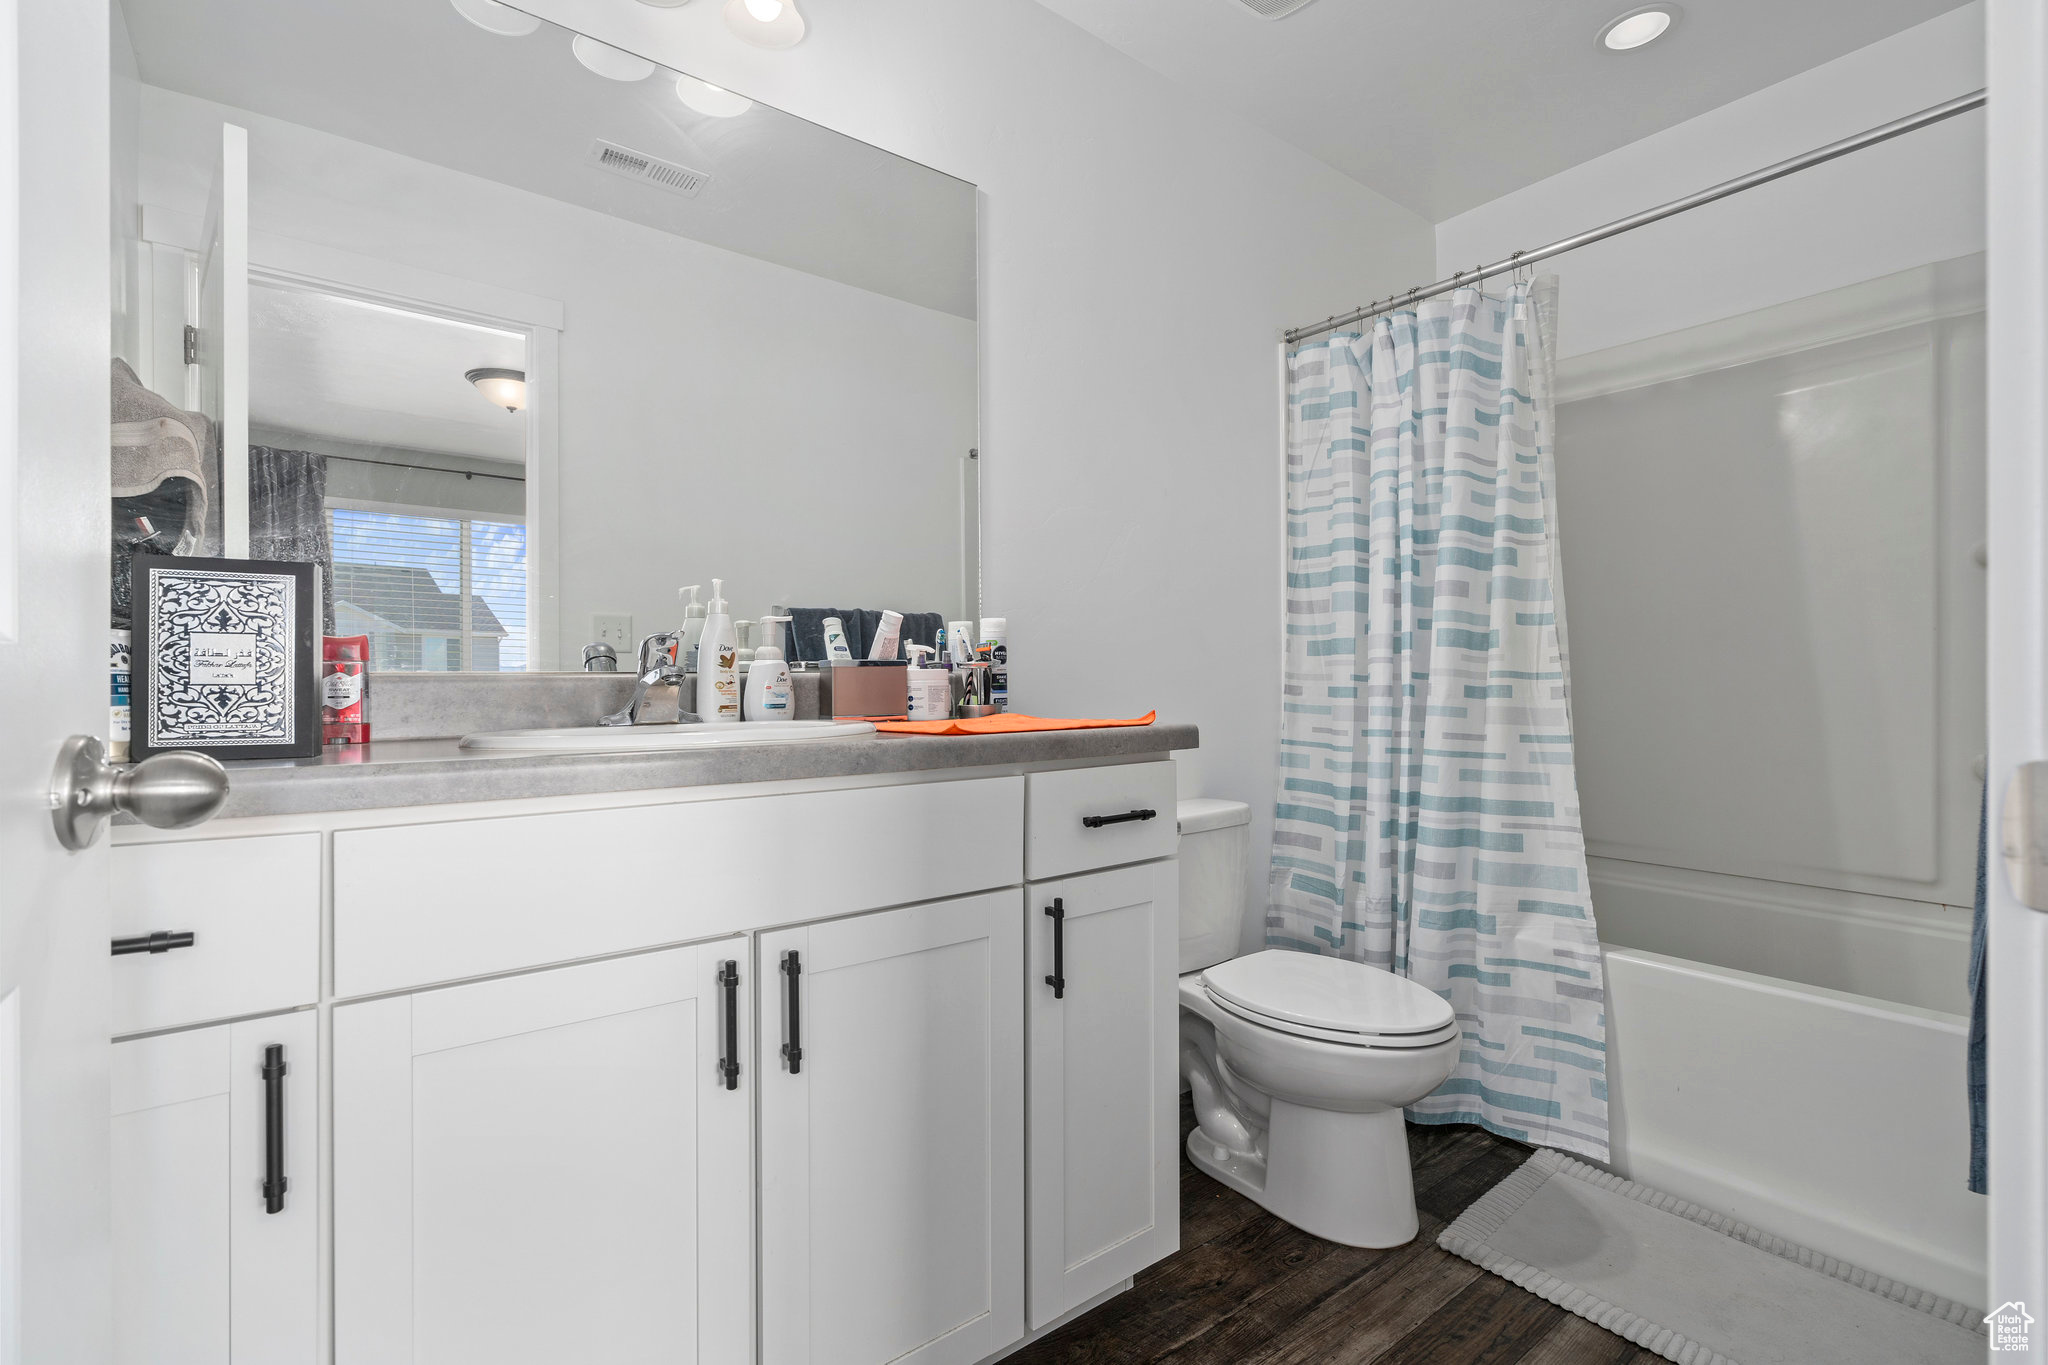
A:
1962,104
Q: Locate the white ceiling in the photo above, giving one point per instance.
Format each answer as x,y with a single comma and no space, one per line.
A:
320,365
1442,105
414,77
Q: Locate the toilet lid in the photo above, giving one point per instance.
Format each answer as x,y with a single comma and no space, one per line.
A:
1327,993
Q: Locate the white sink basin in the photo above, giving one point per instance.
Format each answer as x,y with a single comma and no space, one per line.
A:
643,739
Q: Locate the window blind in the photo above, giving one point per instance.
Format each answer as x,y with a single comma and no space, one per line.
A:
433,592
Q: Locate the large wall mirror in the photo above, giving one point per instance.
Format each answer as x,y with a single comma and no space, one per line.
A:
515,333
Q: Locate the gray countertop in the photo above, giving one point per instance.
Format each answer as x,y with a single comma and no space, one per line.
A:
428,772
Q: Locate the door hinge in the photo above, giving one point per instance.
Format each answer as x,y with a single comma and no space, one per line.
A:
2023,840
191,344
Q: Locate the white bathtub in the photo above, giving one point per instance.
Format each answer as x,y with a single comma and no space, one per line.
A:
1838,1121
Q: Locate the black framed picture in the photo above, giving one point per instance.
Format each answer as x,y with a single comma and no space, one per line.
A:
225,657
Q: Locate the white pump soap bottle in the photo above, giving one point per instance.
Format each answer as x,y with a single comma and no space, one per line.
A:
770,695
718,662
693,627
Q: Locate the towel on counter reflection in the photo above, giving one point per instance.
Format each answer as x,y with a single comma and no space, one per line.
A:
807,626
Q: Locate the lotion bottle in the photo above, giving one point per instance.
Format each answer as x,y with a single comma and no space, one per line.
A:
693,628
718,664
770,695
836,648
931,687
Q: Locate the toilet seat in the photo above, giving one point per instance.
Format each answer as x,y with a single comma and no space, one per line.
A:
1331,1000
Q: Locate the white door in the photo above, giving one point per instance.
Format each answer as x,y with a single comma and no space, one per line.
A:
54,310
222,360
1101,1026
548,1168
217,1194
2016,606
892,1136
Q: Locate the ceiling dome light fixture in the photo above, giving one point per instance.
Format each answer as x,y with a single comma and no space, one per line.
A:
773,24
610,62
492,17
713,101
1638,27
506,388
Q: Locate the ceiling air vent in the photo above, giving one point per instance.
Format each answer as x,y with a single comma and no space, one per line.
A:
1272,9
648,170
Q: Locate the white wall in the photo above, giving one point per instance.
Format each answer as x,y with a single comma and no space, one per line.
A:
1141,252
719,415
1741,825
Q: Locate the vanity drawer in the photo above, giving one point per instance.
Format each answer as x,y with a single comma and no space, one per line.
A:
1078,818
252,907
419,904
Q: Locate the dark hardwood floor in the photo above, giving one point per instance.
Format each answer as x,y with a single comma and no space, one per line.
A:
1247,1289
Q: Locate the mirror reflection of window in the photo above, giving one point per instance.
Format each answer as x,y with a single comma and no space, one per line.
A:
388,445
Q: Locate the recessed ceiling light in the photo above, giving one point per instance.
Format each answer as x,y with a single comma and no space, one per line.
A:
765,23
493,17
709,99
609,61
1637,27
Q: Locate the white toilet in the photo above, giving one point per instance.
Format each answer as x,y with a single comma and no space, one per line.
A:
1298,1065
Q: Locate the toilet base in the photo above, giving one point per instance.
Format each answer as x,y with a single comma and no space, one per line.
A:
1343,1177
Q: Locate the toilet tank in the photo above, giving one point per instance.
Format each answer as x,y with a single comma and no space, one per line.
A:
1215,843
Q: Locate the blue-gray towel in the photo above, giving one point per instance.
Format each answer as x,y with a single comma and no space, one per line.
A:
1980,1177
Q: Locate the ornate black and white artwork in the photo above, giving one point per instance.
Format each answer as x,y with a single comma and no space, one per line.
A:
224,657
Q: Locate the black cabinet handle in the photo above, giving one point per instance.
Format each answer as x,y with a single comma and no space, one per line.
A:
793,1050
1058,980
162,941
274,1183
1098,821
729,1065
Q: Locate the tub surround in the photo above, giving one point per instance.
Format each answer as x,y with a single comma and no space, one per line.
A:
435,772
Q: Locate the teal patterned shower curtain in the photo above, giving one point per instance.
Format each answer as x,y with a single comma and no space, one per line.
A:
1427,819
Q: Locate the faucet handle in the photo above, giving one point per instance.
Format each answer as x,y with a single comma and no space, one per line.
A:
665,640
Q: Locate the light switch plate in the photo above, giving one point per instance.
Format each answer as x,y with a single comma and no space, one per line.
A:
616,630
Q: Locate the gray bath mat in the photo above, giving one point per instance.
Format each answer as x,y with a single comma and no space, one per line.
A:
1696,1287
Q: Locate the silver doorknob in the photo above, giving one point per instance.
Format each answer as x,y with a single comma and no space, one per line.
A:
169,791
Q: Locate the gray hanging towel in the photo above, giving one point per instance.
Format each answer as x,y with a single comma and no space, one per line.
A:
154,442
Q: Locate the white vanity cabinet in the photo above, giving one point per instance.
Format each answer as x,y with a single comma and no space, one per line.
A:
1104,1129
764,1073
216,1195
549,1167
892,1134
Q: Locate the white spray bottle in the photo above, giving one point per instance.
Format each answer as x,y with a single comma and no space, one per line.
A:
718,663
770,695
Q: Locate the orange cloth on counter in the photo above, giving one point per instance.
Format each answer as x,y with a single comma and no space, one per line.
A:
1008,723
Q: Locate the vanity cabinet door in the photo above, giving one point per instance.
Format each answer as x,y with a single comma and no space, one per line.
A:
1102,1090
550,1167
892,1136
209,1266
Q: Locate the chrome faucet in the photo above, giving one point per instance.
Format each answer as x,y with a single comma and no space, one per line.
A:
658,694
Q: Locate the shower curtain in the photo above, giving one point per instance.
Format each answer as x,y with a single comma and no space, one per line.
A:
1427,819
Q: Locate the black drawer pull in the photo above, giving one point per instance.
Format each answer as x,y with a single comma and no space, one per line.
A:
162,941
1098,821
274,1183
793,1050
729,1064
1058,980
